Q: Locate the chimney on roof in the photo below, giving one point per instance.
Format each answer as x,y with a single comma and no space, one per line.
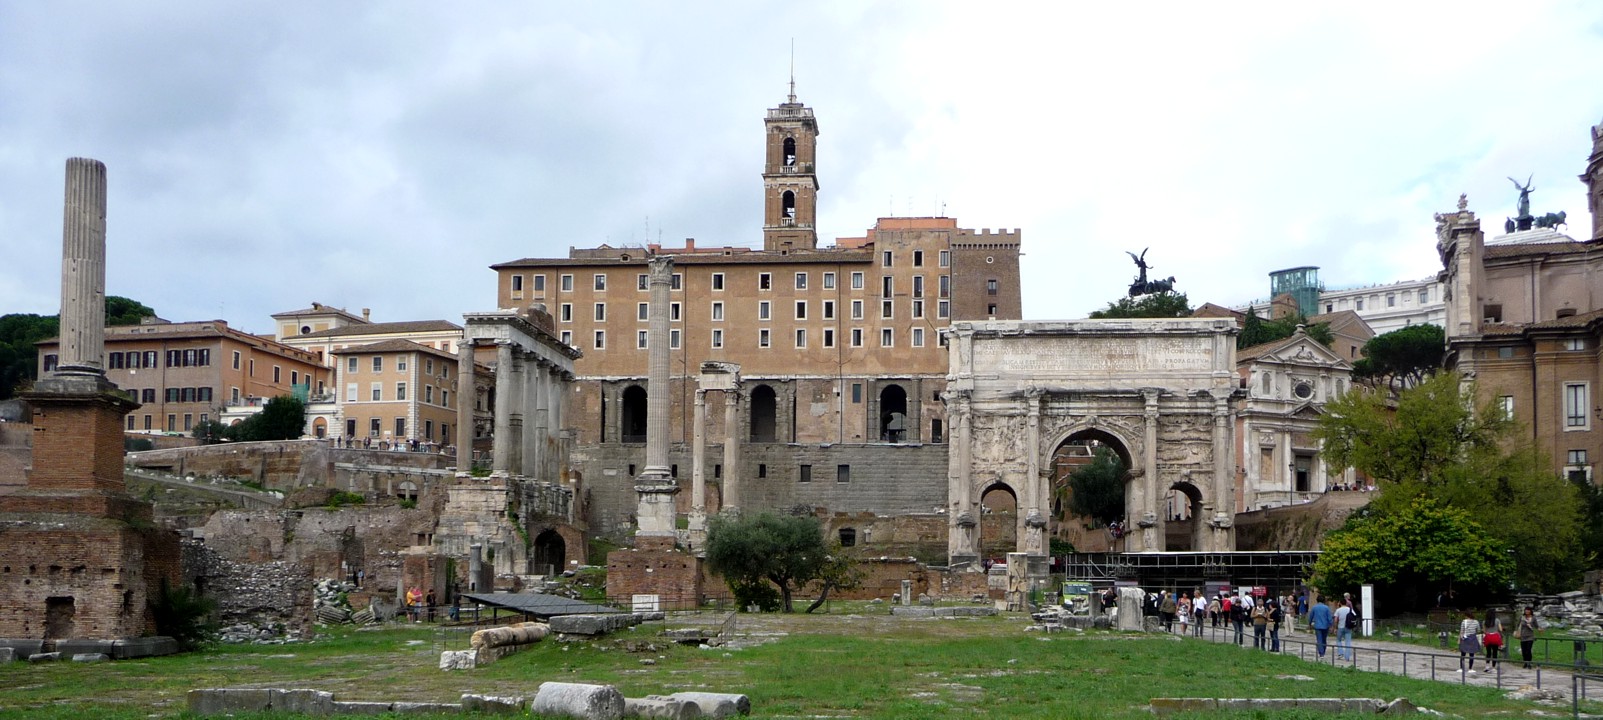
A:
317,305
367,314
690,244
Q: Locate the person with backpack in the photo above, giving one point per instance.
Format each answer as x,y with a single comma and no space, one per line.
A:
1260,626
1167,607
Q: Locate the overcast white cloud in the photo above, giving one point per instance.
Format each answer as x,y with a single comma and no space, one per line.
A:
262,157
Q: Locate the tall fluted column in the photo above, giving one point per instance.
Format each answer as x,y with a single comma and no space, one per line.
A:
504,398
1150,522
731,500
466,398
1034,536
655,485
698,472
83,270
530,467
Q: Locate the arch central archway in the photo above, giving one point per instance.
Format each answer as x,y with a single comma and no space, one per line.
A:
1078,451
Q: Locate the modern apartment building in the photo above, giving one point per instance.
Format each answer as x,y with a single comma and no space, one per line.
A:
395,393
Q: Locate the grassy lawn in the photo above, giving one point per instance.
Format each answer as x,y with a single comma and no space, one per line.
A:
840,665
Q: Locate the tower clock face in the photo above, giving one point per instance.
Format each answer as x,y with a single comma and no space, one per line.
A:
1303,390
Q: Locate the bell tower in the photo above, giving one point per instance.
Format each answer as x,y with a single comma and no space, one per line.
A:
790,180
1594,181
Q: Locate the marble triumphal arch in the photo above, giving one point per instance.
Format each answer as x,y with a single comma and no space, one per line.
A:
1159,393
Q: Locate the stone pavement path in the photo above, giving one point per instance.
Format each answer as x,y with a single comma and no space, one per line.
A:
1414,661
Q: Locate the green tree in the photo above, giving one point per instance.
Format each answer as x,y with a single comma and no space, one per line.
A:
1403,357
839,572
1096,489
123,311
753,548
282,418
1257,331
1157,305
1419,544
210,432
1432,445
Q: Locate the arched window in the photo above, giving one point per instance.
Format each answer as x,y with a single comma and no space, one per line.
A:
788,205
790,151
548,553
764,409
634,414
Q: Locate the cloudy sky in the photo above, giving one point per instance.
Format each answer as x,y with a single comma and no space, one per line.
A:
262,156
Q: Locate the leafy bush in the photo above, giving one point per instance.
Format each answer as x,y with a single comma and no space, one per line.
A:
184,615
341,498
761,593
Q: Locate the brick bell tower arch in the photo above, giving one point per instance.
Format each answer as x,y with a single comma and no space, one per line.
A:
1158,392
790,177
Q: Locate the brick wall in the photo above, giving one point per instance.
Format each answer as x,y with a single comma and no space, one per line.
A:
676,578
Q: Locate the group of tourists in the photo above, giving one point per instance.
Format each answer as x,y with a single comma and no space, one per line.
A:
1266,617
1486,635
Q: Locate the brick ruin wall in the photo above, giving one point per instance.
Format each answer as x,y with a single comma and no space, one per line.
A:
291,464
99,575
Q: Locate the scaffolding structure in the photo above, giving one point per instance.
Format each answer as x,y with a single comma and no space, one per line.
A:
1279,570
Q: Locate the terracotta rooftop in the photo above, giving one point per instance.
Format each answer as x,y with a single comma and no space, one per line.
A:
396,345
410,326
318,309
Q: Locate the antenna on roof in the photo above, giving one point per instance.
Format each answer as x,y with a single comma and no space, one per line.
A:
793,70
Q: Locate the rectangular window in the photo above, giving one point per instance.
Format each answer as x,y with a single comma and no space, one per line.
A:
801,309
428,429
566,283
445,400
677,282
236,359
640,339
1575,457
765,281
717,338
400,363
186,395
150,360
1504,353
1391,300
829,281
378,363
400,428
918,308
943,309
350,365
278,374
428,394
946,286
1358,303
857,393
642,282
539,283
804,474
886,286
885,258
517,283
857,337
918,337
130,422
642,312
565,313
172,423
918,258
673,312
801,337
148,395
147,422
376,392
887,338
945,258
601,340
763,310
717,281
829,309
991,310
1576,404
189,422
1424,295
601,312
233,395
428,366
886,309
857,309
990,287
601,282
375,427
857,281
1573,344
673,339
918,286
801,281
1506,403
763,338
251,364
400,391
567,337
717,311
829,337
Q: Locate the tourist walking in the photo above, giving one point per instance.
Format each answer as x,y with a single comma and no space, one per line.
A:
1469,643
1214,608
1320,619
1260,627
1199,610
1182,612
1493,638
1167,609
1238,618
1526,632
1344,630
1276,615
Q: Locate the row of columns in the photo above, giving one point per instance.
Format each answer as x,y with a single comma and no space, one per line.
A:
528,412
698,462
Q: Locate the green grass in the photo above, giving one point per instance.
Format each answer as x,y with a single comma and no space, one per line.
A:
868,666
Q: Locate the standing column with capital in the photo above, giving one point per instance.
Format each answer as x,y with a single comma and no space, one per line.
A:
655,485
1149,522
501,454
731,499
963,530
83,269
1224,504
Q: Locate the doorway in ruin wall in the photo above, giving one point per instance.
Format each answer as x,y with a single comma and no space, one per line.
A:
59,614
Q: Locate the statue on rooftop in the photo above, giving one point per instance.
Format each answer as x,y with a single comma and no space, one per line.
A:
1524,206
1142,286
